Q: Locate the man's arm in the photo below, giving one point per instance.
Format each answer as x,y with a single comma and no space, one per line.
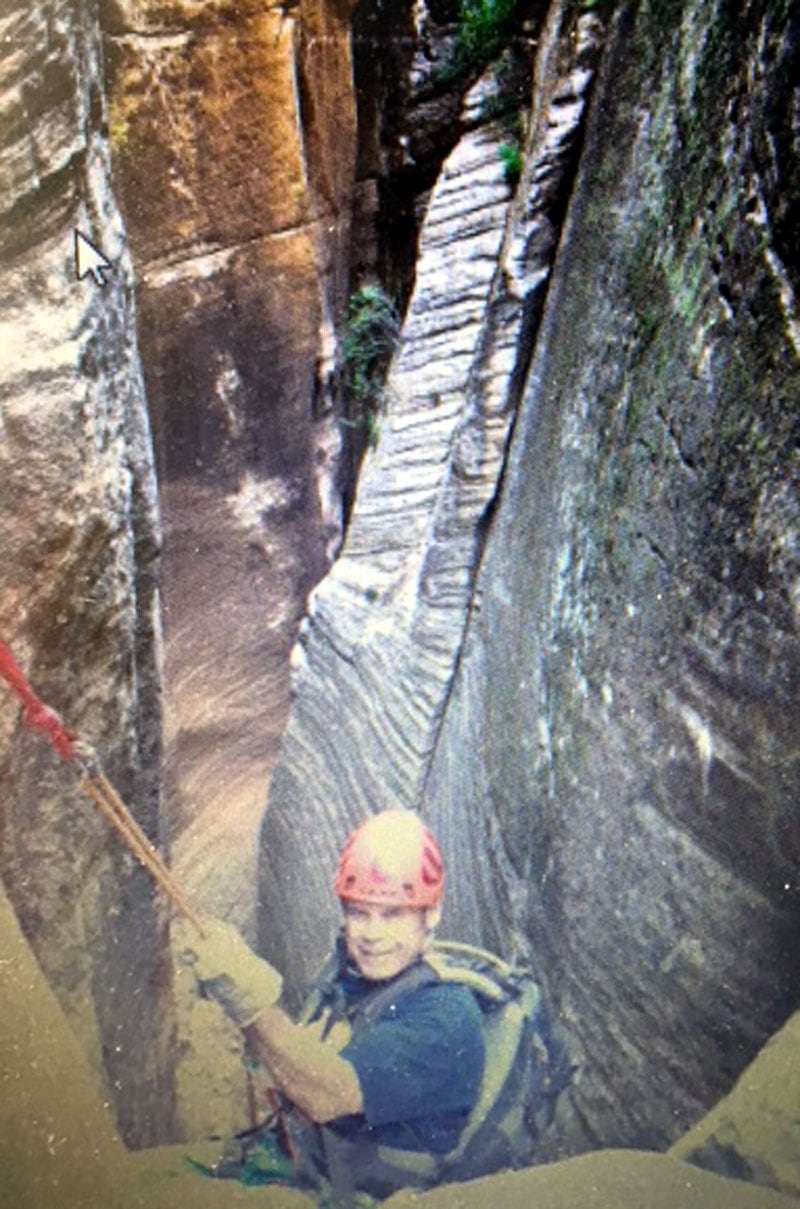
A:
310,1072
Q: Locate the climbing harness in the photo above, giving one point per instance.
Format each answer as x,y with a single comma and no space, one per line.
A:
69,747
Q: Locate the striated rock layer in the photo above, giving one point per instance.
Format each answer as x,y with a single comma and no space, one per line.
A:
379,650
79,539
590,690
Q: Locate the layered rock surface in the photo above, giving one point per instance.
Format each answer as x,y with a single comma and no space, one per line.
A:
590,689
79,537
382,640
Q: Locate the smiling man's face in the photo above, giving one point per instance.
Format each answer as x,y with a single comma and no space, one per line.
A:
383,940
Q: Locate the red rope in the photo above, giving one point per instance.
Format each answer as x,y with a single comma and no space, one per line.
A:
35,714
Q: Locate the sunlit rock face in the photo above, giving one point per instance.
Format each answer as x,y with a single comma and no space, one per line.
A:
79,540
602,728
232,127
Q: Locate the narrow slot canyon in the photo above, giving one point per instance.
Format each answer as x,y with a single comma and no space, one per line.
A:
429,440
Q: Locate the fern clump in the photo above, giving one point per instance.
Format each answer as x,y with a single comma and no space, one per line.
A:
371,332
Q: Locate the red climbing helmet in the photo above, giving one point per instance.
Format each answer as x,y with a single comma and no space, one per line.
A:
392,859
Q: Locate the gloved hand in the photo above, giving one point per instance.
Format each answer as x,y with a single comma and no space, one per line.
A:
228,969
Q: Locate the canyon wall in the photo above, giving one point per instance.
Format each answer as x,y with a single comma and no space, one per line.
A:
213,126
232,128
564,622
382,639
588,681
80,540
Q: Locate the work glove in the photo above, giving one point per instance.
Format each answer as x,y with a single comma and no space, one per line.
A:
227,969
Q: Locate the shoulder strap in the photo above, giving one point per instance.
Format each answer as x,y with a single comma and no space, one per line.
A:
375,1005
491,979
327,995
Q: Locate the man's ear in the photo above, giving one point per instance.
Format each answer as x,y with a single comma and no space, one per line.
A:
433,917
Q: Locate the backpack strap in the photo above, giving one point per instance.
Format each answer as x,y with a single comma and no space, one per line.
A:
375,1005
328,995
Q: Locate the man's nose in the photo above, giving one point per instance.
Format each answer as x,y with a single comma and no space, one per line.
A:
373,927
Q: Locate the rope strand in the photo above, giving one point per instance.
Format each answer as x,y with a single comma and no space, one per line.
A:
111,806
40,717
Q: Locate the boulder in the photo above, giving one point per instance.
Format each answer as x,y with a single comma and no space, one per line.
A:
606,1180
58,1140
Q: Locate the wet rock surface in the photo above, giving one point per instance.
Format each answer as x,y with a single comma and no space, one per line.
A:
607,753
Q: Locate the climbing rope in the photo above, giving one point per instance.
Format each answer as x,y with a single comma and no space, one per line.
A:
69,747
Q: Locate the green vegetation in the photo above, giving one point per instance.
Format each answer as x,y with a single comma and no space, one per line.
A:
484,28
511,156
508,103
119,135
371,330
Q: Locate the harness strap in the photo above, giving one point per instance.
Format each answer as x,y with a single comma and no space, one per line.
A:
329,994
376,1004
353,1165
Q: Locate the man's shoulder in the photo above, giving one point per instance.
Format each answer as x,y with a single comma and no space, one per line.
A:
446,1000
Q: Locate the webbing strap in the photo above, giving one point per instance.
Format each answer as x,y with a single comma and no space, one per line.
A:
35,714
372,1007
328,995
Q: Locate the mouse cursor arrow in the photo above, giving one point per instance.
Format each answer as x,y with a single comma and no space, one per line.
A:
89,259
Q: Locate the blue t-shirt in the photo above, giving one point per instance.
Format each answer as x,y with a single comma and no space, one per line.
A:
420,1068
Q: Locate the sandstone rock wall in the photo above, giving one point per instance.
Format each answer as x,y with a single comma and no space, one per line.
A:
635,792
590,688
233,131
58,1144
754,1133
79,538
382,640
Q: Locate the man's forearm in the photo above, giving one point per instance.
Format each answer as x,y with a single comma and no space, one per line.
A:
310,1072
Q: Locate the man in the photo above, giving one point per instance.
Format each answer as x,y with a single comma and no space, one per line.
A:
393,1094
